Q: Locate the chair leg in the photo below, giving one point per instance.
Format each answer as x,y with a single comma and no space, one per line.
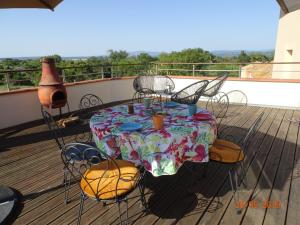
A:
80,208
143,199
120,215
234,190
243,177
126,201
66,185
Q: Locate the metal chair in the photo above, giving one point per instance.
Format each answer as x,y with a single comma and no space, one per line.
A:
214,86
160,85
228,152
163,86
218,105
144,84
87,105
89,101
190,94
111,180
76,156
53,127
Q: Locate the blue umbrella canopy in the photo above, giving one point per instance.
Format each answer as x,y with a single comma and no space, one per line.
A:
46,4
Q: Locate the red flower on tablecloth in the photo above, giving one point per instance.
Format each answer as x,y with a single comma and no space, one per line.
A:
106,131
118,123
172,148
181,117
134,155
147,165
200,150
99,133
165,133
184,141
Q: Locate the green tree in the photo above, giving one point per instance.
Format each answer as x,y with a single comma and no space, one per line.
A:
243,57
116,56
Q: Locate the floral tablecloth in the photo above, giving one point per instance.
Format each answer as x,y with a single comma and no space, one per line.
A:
161,152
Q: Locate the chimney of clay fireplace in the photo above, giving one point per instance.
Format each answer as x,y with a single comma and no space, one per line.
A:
52,93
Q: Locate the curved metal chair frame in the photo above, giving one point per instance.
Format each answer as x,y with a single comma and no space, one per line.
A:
144,84
88,163
218,105
53,127
58,137
243,99
238,100
214,86
139,96
87,102
244,143
190,94
154,84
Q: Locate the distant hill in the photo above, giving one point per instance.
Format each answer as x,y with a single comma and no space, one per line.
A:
231,53
221,53
136,53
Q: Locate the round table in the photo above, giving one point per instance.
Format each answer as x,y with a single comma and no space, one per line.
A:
161,152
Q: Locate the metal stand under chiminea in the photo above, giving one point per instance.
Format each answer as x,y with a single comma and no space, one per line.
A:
52,93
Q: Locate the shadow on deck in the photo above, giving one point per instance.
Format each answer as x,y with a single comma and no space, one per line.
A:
30,162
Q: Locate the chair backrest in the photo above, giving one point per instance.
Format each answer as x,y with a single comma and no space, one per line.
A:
144,83
53,127
214,86
190,94
163,83
252,131
218,105
89,100
95,179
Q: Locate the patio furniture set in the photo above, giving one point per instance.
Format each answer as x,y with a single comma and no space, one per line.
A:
127,144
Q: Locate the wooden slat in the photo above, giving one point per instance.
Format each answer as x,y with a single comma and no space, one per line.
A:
206,192
225,199
33,166
281,186
292,216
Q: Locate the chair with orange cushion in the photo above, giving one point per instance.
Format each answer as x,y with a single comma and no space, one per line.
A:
224,151
111,180
218,105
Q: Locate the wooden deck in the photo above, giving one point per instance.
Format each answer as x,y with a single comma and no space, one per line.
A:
30,162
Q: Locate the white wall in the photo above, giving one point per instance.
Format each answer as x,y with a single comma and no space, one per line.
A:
21,107
288,46
278,94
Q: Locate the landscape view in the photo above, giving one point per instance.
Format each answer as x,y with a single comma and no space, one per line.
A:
126,64
149,112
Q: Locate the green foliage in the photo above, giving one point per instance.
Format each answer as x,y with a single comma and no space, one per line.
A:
243,57
116,64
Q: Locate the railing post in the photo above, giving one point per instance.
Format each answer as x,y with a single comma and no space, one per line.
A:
240,71
156,69
193,70
111,72
102,72
7,79
63,75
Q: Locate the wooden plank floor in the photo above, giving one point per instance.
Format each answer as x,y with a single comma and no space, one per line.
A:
30,163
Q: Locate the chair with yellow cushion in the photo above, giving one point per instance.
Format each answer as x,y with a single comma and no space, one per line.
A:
111,180
224,151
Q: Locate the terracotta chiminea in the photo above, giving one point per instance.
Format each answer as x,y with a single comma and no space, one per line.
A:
52,93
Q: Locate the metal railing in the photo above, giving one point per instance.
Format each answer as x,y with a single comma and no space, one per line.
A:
24,78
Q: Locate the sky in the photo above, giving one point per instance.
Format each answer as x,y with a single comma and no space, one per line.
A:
91,27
